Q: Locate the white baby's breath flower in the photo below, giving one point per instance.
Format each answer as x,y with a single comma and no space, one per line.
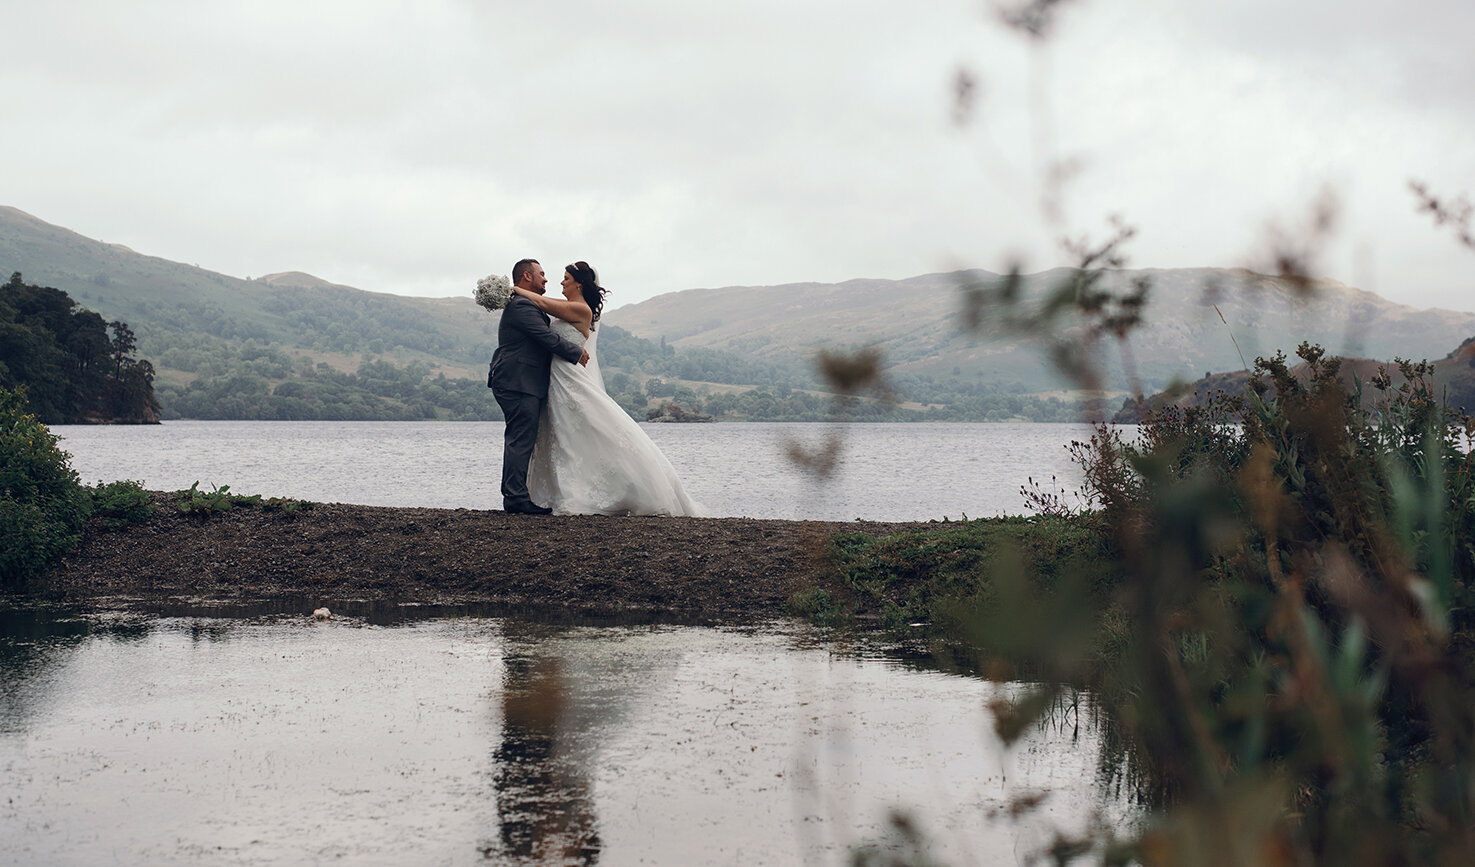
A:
493,292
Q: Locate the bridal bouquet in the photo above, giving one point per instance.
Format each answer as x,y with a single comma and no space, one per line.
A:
493,292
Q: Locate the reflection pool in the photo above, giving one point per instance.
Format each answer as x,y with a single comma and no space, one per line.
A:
412,736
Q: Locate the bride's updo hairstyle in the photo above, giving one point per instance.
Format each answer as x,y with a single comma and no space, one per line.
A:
588,282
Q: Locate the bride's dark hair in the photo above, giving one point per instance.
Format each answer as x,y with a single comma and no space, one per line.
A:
588,282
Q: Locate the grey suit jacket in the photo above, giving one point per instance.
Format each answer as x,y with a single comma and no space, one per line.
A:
525,349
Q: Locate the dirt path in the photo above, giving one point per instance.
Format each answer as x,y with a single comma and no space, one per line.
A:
716,568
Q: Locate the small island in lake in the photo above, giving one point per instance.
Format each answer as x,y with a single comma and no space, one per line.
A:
673,413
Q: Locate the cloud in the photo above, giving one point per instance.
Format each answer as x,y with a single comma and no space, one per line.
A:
414,147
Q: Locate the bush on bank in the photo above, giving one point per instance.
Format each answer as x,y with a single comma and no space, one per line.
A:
43,504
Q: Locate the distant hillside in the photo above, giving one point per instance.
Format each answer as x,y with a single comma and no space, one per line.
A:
170,304
292,345
916,323
1453,383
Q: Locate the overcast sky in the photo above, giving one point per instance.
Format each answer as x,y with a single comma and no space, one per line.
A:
412,147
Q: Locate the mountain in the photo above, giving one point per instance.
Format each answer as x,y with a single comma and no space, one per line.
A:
292,345
165,300
917,323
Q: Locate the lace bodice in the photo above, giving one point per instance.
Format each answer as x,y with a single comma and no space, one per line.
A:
570,332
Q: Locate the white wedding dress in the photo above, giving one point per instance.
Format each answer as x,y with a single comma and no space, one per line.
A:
591,458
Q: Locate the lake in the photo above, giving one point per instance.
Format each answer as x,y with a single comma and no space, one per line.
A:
148,733
397,736
887,472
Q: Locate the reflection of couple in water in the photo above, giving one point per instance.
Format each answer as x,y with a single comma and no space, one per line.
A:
544,802
564,699
568,447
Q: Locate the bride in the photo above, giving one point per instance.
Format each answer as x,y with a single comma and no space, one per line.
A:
591,458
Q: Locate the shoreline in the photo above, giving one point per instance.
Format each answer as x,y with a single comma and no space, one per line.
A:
703,569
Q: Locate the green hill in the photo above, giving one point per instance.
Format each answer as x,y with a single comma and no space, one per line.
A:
916,322
291,345
172,306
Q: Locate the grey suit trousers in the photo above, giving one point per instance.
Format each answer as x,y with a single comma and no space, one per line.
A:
522,412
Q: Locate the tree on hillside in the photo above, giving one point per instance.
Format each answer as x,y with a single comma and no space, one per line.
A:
71,368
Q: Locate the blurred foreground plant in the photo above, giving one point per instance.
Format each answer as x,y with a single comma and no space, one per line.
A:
1291,661
851,376
1297,675
1287,657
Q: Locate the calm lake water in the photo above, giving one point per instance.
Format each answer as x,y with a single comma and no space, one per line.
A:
403,735
887,472
392,737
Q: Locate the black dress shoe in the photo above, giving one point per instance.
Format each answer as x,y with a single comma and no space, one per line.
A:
527,509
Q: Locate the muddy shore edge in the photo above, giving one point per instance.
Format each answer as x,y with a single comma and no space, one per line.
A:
706,569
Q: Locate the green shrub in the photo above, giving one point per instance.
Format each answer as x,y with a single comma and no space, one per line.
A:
120,504
286,505
42,502
219,499
817,606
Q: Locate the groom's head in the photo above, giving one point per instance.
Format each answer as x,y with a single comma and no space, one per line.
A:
528,274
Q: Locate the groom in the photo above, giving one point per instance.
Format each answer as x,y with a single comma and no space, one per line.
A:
519,380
